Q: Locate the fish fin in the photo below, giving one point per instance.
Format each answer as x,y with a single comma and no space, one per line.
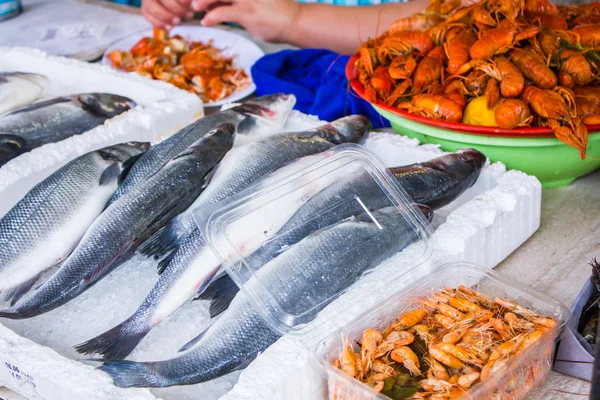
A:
220,293
42,104
14,294
116,343
209,177
127,374
108,265
192,342
164,263
161,243
10,313
127,165
110,174
245,363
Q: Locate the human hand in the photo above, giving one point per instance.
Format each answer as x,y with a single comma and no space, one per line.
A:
166,13
266,19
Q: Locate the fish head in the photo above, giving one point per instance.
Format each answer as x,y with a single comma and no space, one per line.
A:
10,147
348,129
221,136
265,115
464,165
124,151
105,104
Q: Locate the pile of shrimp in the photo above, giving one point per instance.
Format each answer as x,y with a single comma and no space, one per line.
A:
536,62
193,66
456,339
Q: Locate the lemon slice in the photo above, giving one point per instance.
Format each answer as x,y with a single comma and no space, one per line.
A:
477,113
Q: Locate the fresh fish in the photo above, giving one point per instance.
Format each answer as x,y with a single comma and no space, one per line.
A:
114,235
46,225
301,281
265,115
434,183
59,118
18,89
194,264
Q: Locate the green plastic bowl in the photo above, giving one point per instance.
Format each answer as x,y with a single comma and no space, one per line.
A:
534,151
550,160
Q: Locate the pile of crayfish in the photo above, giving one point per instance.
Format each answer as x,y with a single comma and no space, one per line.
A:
455,339
193,66
536,63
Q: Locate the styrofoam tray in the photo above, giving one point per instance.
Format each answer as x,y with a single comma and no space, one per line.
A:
483,226
162,110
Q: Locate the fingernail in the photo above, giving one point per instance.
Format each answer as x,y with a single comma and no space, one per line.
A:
176,21
196,5
189,15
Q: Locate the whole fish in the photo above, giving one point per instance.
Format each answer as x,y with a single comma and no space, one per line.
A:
433,183
264,115
18,89
57,119
301,281
114,235
46,225
193,264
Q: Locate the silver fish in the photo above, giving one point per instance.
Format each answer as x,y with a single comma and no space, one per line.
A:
46,225
57,119
265,115
193,264
433,183
18,89
301,281
114,235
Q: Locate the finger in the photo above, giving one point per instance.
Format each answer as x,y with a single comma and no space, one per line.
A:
159,12
153,21
201,5
187,4
223,14
175,8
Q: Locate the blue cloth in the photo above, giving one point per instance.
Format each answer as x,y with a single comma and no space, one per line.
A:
318,80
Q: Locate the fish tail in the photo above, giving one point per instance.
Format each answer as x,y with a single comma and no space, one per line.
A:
161,243
11,314
118,342
126,374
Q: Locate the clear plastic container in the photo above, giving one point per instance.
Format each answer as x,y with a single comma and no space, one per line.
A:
341,187
521,374
250,235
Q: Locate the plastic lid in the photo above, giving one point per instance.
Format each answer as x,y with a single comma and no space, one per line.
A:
302,235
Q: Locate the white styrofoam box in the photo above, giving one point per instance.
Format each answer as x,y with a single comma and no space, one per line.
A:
162,110
498,213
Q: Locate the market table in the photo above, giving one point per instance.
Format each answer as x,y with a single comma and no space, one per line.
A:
555,260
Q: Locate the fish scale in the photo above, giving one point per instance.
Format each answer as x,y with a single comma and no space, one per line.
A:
56,119
48,222
194,264
301,281
113,236
267,113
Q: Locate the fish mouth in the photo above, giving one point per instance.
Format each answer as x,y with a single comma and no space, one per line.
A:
472,156
106,104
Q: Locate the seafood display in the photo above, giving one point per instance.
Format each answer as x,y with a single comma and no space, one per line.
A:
265,115
113,237
527,63
434,183
57,119
46,225
240,334
18,89
446,344
192,263
197,67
